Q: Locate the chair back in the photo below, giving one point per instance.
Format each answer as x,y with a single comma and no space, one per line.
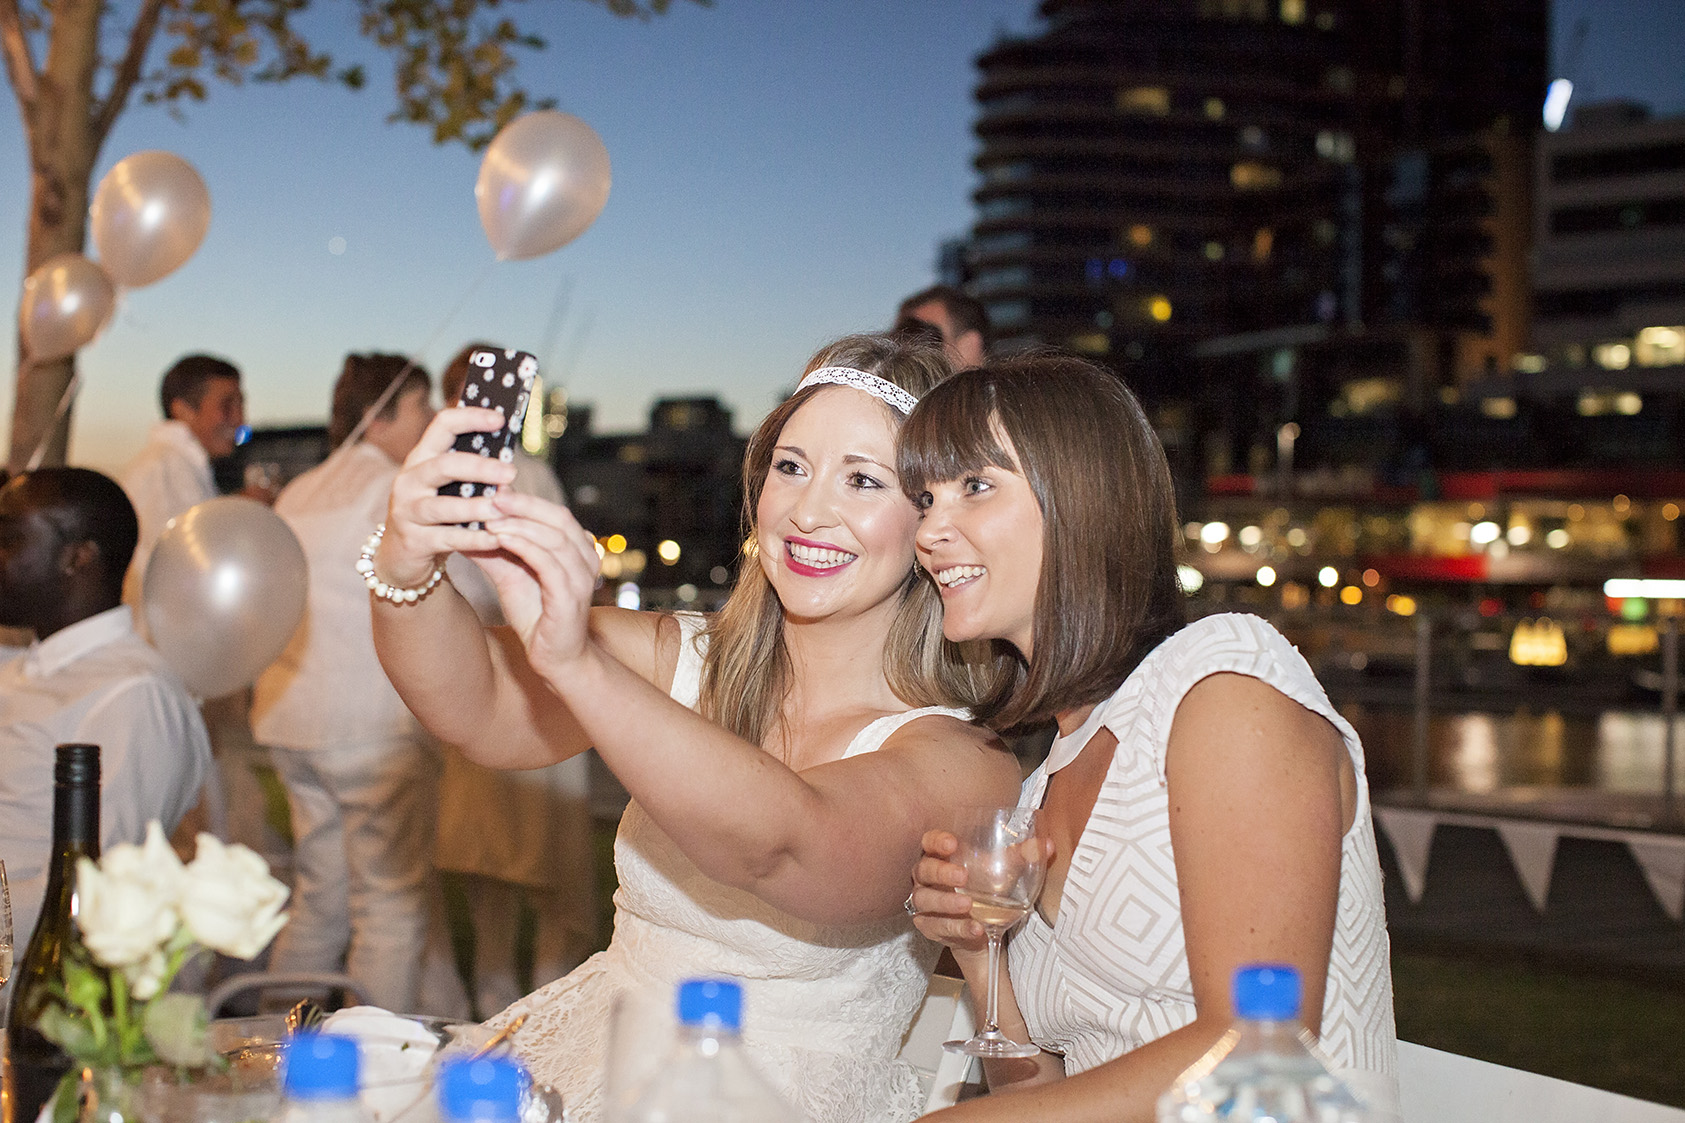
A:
944,1016
1439,1087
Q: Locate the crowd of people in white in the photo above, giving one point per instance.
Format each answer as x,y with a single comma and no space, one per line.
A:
933,557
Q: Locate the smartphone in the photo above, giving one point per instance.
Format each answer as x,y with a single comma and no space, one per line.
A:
499,380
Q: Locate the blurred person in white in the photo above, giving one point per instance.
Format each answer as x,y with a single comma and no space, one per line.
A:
514,838
66,537
204,408
361,774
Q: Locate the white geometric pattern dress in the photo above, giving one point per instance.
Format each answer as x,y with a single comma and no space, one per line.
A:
824,1007
1112,973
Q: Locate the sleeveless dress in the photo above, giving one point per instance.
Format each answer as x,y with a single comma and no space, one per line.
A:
1111,973
825,1007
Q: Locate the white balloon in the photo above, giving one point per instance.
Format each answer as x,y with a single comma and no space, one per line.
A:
66,302
148,217
543,180
223,593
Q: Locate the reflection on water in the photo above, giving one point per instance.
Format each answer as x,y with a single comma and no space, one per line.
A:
1617,751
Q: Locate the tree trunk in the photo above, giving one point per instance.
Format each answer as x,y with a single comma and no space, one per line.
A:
63,139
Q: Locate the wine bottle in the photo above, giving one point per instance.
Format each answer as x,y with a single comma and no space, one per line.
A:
33,1064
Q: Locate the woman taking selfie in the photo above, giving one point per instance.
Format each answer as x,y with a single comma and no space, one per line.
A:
784,757
1204,804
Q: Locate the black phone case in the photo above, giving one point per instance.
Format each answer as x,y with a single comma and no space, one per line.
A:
500,380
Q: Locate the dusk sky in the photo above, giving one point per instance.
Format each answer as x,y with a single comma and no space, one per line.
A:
783,172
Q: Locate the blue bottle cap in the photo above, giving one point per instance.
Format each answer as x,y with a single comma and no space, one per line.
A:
1267,992
320,1066
484,1089
711,1003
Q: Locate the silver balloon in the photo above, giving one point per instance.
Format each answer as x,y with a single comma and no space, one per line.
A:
150,213
66,302
543,180
223,593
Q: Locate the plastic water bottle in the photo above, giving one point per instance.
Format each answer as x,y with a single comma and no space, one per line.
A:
319,1081
707,1079
1262,1069
481,1090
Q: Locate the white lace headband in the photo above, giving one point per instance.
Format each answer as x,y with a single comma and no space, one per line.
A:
881,389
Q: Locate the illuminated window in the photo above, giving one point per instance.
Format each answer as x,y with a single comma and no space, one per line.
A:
1529,364
1141,235
1250,175
1153,101
1214,108
1332,144
1660,347
1214,251
1090,343
1498,409
1262,243
1612,356
1292,11
1600,403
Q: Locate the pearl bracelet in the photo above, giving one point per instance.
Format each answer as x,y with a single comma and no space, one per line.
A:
365,566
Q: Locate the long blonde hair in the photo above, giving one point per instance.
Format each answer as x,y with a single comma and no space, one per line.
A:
746,672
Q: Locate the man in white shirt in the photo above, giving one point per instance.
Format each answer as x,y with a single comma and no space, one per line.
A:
66,537
203,411
360,772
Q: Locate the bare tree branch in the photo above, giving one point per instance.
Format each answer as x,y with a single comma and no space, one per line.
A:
128,71
20,67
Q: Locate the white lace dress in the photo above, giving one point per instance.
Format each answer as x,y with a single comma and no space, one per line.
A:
1111,973
824,1007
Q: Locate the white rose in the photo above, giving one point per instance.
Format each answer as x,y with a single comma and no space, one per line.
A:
230,903
126,905
146,978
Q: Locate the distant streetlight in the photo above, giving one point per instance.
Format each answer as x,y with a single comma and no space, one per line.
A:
1556,103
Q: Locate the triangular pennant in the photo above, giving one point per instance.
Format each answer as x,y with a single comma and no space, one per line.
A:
1411,835
1532,847
1663,861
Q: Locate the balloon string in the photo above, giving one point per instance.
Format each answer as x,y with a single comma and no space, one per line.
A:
65,399
409,363
70,388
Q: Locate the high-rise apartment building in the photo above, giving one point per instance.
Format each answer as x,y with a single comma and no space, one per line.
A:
1261,210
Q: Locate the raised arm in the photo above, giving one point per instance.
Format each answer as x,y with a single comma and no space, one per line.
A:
832,843
469,685
1261,793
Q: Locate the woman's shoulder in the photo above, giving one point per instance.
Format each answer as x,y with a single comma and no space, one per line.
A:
930,725
1234,642
1225,641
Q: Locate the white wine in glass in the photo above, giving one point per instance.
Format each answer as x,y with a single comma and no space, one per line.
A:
1004,868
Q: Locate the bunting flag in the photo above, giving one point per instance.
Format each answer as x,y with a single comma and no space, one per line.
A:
1411,833
1663,861
1531,845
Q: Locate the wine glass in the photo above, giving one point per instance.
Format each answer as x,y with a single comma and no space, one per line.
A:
1004,867
5,928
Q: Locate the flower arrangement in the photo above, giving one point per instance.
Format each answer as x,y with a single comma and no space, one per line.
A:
143,916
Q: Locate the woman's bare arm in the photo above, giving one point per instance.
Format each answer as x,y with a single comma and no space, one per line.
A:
472,686
831,843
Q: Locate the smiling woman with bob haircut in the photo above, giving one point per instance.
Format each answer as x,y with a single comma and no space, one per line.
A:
1204,804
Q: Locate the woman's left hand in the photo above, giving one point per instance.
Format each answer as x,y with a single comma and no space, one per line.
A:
548,605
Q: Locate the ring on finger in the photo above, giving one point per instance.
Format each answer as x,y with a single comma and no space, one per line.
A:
912,909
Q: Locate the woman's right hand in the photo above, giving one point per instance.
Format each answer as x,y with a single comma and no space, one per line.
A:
941,912
422,526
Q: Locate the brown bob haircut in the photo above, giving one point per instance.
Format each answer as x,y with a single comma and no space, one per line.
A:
1108,591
